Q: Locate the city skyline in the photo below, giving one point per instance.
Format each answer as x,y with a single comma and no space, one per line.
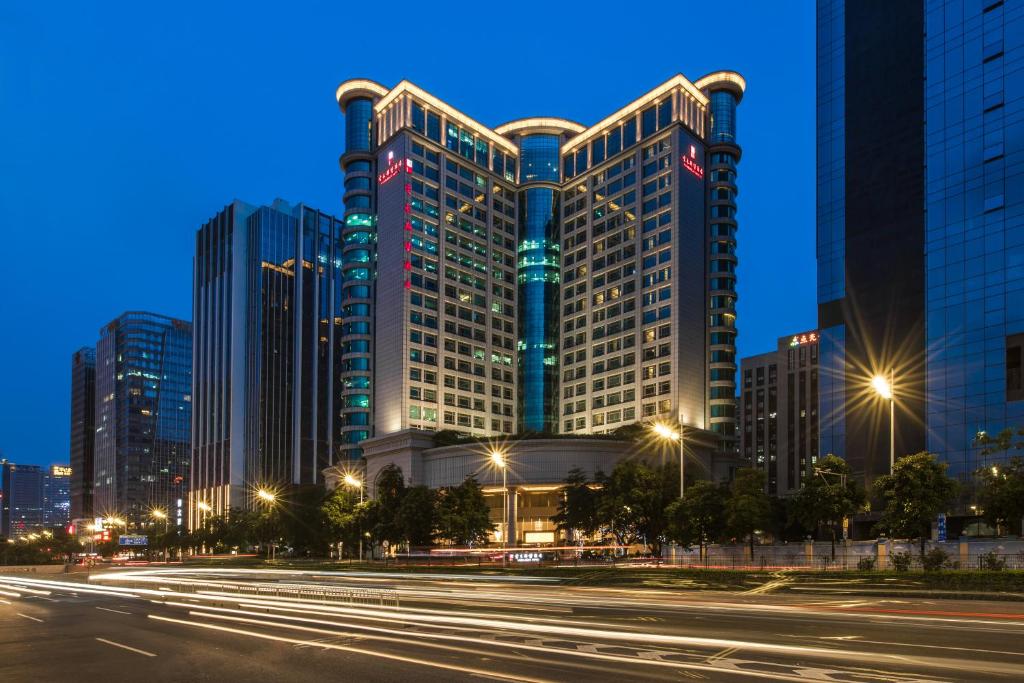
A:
33,429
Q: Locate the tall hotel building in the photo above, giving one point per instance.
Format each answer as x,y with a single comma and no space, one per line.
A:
83,430
267,369
143,418
541,276
920,225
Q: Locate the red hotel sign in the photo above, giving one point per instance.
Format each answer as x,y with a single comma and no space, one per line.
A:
691,165
393,169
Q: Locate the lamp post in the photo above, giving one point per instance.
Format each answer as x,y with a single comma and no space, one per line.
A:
884,388
203,507
498,458
160,514
353,482
663,431
269,498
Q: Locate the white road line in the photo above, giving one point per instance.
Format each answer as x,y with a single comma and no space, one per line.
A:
125,647
28,617
42,597
107,609
5,602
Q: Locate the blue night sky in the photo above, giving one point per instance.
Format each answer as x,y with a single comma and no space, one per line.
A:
127,125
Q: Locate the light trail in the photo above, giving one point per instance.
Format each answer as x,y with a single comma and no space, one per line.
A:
356,650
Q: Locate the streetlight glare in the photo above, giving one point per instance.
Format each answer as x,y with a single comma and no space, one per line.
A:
498,458
352,481
205,507
881,386
266,495
159,514
665,432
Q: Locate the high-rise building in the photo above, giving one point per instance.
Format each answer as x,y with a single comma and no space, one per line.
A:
270,385
21,499
870,226
143,417
83,430
779,412
57,496
919,247
541,275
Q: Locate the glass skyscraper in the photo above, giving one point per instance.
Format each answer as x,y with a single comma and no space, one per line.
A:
269,384
83,430
21,499
542,275
143,418
920,255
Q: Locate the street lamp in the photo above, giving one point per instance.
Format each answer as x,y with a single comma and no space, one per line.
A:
663,431
354,482
160,514
498,458
268,497
884,388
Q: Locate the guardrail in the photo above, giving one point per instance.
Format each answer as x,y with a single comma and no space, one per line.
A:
375,597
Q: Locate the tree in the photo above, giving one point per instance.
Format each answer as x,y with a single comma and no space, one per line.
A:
633,500
748,509
343,516
463,517
915,493
830,496
390,490
417,516
1001,493
303,521
697,517
578,509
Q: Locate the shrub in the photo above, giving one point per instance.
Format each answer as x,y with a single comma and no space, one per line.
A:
901,561
934,559
866,564
991,562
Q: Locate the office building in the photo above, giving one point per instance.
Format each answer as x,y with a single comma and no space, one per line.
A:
542,275
269,378
143,417
778,409
57,496
919,235
83,430
21,499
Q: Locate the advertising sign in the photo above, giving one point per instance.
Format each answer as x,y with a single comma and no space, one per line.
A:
129,539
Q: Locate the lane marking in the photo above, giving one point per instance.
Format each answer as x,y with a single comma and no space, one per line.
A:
107,609
126,647
28,617
5,602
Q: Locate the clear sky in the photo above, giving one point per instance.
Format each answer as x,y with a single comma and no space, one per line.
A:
124,126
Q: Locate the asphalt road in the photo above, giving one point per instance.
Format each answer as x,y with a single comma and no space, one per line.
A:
186,625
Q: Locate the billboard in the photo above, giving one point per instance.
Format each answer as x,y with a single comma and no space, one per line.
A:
129,539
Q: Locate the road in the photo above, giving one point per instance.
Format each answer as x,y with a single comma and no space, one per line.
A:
180,624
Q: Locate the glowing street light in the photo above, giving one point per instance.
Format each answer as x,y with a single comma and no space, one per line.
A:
499,461
203,506
884,388
267,496
666,432
355,483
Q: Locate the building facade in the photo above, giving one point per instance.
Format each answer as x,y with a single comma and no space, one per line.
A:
778,411
21,499
269,384
542,276
143,418
83,430
57,496
918,266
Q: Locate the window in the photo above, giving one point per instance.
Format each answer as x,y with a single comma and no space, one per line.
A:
1014,381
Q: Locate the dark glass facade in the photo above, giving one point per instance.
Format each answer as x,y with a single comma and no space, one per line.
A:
83,430
268,340
143,417
870,226
56,498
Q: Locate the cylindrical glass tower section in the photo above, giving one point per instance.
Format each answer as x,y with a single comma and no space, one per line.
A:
358,266
539,260
724,90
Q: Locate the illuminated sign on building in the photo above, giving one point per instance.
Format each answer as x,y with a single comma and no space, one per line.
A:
691,165
60,471
805,338
394,168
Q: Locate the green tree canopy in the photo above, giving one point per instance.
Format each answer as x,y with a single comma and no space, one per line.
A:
915,493
417,516
748,509
463,517
1001,494
633,500
578,508
828,497
699,516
